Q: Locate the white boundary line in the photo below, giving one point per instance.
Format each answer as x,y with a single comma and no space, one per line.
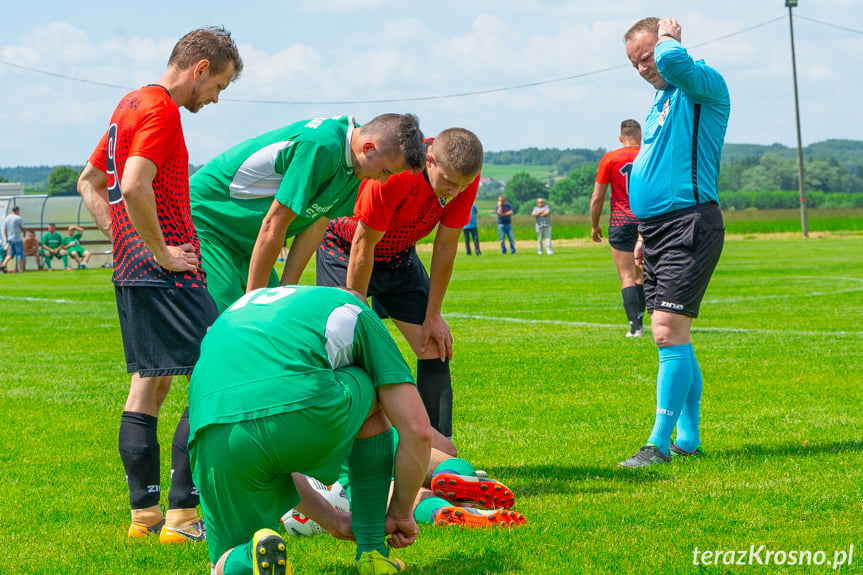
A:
647,328
47,300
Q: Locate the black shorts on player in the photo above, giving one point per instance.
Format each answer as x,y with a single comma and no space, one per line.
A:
681,250
623,237
400,292
162,328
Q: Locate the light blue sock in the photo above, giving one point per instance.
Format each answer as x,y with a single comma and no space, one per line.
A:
672,387
687,425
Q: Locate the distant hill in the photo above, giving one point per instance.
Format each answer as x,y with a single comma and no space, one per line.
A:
849,153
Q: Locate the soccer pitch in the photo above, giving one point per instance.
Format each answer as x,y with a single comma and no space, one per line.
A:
549,396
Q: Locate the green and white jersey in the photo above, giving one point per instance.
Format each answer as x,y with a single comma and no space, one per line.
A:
72,241
52,240
275,351
306,166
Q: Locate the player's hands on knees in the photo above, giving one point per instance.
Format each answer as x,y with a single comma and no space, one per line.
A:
179,259
435,331
402,529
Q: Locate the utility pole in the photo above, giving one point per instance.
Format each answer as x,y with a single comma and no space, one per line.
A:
804,221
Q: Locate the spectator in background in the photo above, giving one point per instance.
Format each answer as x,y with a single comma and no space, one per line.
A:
15,239
72,246
504,224
543,226
472,229
52,247
31,248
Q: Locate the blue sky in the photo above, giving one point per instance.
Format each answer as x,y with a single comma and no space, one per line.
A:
310,58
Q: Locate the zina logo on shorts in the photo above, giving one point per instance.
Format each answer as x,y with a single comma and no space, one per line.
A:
670,305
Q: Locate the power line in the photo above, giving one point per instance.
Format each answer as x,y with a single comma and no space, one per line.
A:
424,98
799,17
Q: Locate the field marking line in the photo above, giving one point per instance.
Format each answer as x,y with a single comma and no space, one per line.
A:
458,315
48,300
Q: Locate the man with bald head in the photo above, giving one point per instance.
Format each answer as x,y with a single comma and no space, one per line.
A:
673,192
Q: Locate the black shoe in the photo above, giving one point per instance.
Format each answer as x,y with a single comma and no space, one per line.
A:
647,455
677,451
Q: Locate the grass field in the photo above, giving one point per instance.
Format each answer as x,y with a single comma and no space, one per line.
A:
549,397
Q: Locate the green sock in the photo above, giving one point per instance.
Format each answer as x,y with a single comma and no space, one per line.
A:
455,465
370,469
424,512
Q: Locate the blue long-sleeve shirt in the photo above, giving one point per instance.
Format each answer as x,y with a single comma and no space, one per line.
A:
678,165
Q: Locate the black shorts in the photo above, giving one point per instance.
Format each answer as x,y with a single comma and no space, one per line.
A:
681,250
623,237
162,328
400,292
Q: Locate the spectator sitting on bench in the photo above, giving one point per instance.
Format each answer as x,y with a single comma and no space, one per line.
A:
72,246
52,247
31,248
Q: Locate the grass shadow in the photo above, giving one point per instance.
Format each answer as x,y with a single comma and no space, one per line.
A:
755,450
529,480
487,562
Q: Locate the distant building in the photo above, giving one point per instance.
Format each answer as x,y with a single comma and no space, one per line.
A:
11,189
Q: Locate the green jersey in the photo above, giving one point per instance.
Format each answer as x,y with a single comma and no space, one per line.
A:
72,241
305,166
52,240
275,350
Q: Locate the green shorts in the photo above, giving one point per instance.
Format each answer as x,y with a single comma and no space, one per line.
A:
50,255
243,470
76,250
227,274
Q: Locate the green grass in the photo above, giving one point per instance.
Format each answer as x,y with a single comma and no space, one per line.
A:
549,397
503,173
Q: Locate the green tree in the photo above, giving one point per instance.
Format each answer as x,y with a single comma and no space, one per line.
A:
523,187
63,181
3,180
579,183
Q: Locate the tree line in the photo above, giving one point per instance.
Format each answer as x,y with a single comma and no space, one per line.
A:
751,176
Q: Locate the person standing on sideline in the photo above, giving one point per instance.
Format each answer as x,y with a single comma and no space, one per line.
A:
614,169
15,229
289,183
673,192
472,229
542,213
374,253
136,186
504,224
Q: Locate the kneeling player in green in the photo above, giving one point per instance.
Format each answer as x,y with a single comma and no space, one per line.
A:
296,379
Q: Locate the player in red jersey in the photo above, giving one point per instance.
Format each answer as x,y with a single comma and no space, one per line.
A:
374,253
136,186
623,228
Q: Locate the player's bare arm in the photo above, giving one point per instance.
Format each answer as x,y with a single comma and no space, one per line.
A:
362,259
596,201
302,248
270,240
93,188
312,504
404,408
435,330
137,189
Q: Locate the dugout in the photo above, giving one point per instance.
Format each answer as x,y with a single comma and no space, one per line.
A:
39,210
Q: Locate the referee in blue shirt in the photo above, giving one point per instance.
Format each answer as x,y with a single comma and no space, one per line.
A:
672,190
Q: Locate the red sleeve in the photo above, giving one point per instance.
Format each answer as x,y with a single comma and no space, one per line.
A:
376,202
458,212
603,173
99,157
157,133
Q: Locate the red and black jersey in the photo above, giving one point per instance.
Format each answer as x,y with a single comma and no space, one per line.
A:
407,209
147,123
614,168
